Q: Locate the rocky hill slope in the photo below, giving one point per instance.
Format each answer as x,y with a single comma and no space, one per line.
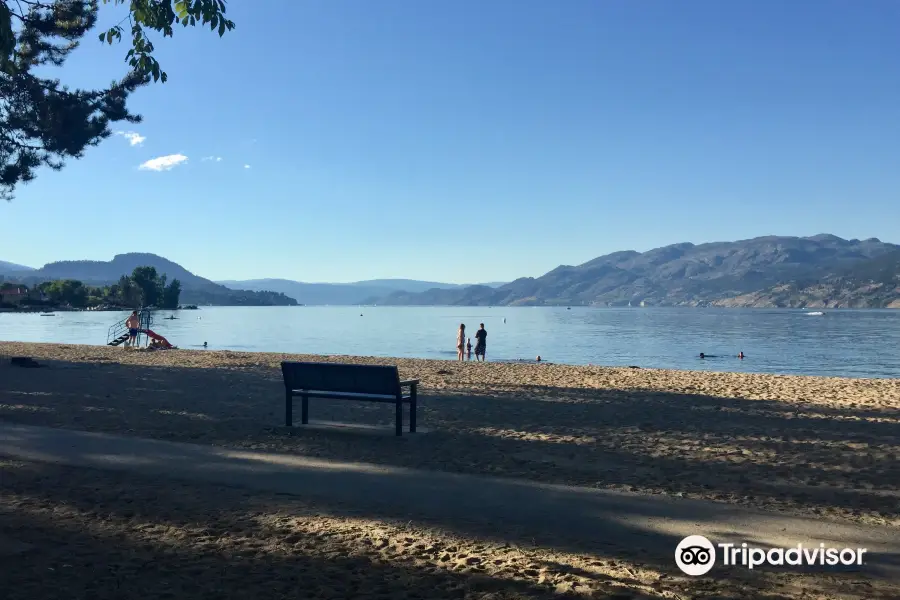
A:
822,270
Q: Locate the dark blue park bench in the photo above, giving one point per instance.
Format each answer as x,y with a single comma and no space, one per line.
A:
336,381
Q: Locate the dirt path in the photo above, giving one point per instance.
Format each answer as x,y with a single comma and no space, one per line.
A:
561,518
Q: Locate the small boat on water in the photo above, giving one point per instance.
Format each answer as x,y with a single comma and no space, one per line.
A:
816,313
48,314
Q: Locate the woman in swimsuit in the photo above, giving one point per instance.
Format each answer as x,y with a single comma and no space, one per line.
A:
460,341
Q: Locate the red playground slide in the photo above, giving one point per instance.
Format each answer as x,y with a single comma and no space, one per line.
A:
156,336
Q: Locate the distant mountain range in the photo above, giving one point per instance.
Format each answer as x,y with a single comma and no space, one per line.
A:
8,267
359,292
822,271
773,271
195,290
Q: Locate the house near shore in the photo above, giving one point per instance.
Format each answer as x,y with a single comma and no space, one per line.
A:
16,295
13,294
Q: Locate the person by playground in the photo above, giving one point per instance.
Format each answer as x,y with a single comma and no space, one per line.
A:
133,323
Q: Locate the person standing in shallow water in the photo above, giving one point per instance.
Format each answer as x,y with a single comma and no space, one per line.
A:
461,341
480,342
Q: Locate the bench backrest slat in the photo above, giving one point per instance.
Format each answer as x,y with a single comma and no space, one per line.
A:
337,377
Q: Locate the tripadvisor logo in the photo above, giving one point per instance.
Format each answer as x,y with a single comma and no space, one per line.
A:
695,555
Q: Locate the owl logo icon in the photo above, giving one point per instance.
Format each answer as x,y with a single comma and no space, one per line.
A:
695,555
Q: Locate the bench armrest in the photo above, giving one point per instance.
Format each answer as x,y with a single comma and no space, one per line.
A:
409,382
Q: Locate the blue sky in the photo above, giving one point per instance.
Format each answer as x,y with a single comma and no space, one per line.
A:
482,141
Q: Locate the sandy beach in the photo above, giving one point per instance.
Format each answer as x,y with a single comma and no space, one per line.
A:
823,447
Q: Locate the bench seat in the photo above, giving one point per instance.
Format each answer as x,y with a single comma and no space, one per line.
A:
336,381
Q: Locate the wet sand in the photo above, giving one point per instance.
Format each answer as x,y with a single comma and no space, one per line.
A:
808,445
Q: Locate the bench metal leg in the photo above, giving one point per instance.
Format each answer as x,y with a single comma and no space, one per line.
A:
288,409
412,409
399,425
304,410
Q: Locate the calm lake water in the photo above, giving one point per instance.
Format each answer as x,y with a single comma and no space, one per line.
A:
841,343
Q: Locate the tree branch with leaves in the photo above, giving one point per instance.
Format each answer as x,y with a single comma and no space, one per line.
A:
42,122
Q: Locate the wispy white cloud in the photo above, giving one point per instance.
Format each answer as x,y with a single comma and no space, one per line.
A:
163,163
134,138
212,158
246,166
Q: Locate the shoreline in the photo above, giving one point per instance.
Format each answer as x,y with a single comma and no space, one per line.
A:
55,309
379,359
366,359
272,358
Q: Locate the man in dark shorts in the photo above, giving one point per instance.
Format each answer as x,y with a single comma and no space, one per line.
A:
480,342
133,323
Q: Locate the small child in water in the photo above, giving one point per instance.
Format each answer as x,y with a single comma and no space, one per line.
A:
469,348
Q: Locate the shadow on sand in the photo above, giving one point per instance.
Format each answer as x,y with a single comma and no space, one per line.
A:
750,451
